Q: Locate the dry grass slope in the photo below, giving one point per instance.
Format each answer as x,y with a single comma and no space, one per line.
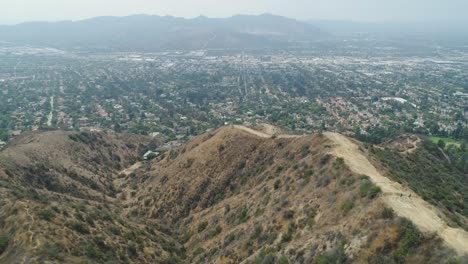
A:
233,195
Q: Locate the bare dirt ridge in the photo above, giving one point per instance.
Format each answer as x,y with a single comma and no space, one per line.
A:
421,213
395,195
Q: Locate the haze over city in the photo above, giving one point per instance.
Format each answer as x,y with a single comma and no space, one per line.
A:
17,11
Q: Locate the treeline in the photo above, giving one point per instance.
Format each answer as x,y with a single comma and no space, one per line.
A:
458,156
377,134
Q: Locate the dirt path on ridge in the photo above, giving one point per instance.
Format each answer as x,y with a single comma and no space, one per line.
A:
420,212
262,134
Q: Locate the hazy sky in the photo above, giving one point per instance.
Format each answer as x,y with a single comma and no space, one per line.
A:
15,11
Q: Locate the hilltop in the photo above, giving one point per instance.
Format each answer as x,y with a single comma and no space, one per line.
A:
232,195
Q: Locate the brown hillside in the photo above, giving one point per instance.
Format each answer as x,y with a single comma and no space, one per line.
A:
57,202
78,164
233,195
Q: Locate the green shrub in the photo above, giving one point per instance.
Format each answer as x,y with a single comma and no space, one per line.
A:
228,239
441,144
286,237
132,249
221,148
3,243
100,242
52,251
338,163
332,257
266,256
311,218
92,252
257,232
202,226
189,163
215,232
241,165
186,237
115,230
259,212
277,184
283,260
80,227
288,214
244,215
46,214
387,213
305,150
347,206
369,189
409,240
306,175
198,251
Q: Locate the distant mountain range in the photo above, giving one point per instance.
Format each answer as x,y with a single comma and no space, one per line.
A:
154,33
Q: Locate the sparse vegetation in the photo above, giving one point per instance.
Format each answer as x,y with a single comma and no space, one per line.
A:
387,213
369,189
132,249
80,227
277,184
216,231
202,226
244,215
52,251
266,255
186,237
198,251
173,213
288,214
3,243
305,150
409,239
46,214
189,163
347,206
335,256
311,218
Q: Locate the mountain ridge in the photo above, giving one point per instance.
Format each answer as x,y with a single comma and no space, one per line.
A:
154,33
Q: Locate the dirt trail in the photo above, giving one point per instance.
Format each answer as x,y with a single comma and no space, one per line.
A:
421,213
132,168
415,146
31,223
262,134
